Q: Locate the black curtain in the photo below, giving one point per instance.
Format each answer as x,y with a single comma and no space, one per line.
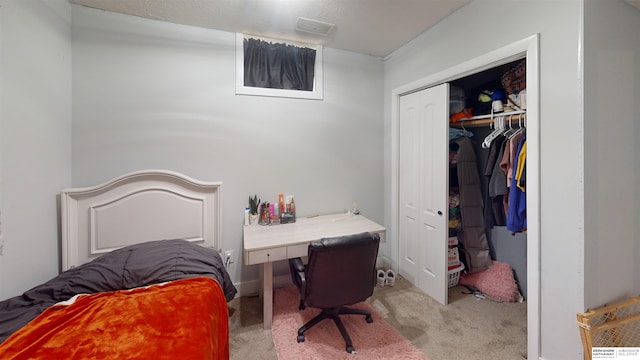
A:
278,66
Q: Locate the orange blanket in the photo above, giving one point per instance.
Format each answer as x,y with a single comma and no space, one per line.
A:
183,319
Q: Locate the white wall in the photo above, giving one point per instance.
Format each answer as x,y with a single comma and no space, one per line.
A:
35,137
149,94
474,30
612,151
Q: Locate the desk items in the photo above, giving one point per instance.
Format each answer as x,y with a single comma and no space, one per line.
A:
265,213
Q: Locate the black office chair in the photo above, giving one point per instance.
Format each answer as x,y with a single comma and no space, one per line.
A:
340,271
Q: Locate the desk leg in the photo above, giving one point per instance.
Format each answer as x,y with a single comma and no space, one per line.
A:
267,294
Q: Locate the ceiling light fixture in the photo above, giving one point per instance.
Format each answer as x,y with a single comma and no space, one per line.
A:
314,26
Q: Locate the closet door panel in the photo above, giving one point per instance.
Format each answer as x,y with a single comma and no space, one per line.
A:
434,184
409,195
423,189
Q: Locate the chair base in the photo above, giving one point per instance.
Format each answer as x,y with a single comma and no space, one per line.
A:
334,314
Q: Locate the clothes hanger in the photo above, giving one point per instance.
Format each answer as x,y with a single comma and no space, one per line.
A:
520,129
499,129
510,130
486,143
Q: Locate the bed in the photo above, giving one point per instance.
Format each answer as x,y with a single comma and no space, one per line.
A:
142,276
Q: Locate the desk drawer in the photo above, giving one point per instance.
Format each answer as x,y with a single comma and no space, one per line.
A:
299,250
267,255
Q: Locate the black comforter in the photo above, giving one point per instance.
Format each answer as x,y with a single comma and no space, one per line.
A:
133,266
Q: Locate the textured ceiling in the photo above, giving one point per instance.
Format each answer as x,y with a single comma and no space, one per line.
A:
634,3
373,27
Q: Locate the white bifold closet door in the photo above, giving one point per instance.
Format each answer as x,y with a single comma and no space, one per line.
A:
423,190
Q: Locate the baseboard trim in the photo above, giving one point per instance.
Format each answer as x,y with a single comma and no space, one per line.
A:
383,263
252,287
247,288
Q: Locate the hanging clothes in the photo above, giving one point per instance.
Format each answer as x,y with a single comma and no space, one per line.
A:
507,163
455,133
473,236
510,161
494,211
521,167
517,212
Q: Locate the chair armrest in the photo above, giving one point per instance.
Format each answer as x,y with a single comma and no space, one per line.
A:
298,268
297,263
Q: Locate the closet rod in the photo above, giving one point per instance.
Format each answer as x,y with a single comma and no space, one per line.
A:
483,120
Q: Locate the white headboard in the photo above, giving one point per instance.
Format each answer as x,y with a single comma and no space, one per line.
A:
138,207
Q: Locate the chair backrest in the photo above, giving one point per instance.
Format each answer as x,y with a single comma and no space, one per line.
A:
341,271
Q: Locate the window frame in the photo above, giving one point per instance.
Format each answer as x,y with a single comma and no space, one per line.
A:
318,83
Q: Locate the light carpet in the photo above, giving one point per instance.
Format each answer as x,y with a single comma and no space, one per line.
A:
376,340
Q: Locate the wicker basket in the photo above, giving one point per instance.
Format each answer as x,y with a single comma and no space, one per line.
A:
616,325
454,275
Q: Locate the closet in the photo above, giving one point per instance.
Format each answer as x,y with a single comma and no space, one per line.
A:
426,203
494,132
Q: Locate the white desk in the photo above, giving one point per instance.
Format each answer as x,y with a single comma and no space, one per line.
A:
265,244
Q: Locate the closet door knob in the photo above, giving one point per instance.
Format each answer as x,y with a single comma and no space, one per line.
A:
439,212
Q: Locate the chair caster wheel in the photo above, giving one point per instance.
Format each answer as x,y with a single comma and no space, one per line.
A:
300,338
369,319
351,350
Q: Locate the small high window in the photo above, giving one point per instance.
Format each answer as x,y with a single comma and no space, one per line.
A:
270,67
